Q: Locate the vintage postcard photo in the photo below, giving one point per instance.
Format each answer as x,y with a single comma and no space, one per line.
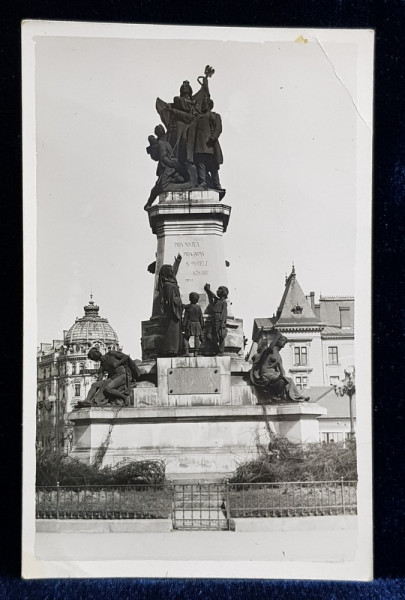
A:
197,335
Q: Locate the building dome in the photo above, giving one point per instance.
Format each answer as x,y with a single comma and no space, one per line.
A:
91,329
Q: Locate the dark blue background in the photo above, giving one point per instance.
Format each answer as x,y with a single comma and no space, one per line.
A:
387,18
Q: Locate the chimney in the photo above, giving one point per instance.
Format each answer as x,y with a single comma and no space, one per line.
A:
312,299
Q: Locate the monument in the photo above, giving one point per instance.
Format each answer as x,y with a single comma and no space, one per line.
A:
195,402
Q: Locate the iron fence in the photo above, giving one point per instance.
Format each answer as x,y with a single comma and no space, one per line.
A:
198,506
104,502
293,499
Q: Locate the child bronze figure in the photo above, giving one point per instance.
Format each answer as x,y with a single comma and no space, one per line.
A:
218,313
193,324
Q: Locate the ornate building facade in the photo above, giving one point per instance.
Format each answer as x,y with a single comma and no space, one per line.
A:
65,374
320,347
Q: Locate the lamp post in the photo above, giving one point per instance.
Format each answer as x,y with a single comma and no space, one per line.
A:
348,388
52,398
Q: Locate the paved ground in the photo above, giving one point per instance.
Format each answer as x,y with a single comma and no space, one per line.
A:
323,546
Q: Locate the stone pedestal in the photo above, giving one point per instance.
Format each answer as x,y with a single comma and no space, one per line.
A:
192,224
200,415
194,441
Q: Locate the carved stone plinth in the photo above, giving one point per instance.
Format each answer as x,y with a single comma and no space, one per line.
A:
192,224
193,441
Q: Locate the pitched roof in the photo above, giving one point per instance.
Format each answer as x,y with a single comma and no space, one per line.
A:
294,307
334,332
261,323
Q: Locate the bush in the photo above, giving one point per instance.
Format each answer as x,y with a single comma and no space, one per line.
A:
52,467
286,461
139,472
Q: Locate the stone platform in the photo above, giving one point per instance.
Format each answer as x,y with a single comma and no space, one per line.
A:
200,416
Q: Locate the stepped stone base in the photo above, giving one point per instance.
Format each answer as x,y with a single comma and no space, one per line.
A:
192,440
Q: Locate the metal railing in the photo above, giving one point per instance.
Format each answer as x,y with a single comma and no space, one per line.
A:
199,506
104,502
293,499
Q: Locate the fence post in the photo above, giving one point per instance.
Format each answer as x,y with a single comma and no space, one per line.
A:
172,502
343,494
57,499
227,504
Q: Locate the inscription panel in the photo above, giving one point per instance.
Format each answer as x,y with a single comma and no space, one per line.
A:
203,380
195,259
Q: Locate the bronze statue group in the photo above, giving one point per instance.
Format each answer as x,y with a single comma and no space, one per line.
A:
188,152
186,321
183,322
189,156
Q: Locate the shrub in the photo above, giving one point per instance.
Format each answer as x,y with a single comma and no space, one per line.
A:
139,472
286,461
52,467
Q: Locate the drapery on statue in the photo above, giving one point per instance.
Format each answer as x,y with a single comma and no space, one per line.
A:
172,307
171,175
203,136
190,143
122,374
268,375
217,311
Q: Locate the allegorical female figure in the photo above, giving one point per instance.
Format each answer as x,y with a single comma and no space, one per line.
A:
171,307
178,115
268,373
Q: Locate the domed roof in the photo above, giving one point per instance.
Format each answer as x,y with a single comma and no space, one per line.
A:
91,328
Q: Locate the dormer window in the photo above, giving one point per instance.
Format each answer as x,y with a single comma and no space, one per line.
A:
297,309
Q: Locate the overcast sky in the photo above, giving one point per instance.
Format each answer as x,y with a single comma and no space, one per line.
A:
290,119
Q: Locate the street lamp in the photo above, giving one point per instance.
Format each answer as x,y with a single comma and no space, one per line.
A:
347,387
52,398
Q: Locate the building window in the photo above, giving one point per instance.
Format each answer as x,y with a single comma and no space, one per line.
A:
333,355
81,371
77,389
344,316
301,381
334,380
300,355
